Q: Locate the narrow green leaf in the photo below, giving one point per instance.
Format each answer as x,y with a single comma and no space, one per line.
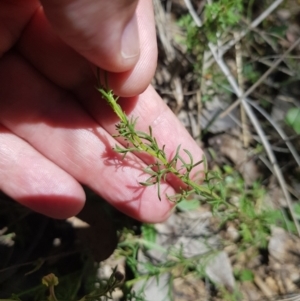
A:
293,119
149,232
190,156
188,205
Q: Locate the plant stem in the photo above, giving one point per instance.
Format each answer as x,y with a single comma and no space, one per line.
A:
145,142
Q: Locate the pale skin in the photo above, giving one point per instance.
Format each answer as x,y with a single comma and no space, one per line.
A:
55,130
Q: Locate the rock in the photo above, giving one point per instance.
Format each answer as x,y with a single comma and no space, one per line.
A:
284,247
219,270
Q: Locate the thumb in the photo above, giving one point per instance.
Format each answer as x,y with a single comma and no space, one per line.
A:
103,31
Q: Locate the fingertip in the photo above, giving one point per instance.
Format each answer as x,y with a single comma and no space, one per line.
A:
130,42
54,206
150,209
105,33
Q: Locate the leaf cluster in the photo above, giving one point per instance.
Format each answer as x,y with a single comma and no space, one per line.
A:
223,13
158,171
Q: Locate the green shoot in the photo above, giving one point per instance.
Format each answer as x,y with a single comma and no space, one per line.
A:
138,141
254,226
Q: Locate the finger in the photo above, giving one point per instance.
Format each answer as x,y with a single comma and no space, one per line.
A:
34,181
150,110
105,32
65,67
57,126
14,15
136,80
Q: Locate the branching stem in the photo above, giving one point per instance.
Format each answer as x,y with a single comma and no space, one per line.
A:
145,142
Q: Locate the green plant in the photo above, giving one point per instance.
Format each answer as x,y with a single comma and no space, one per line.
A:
222,14
192,33
293,119
244,275
216,190
175,263
138,141
219,16
250,217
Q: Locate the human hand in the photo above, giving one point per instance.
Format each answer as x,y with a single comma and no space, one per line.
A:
55,130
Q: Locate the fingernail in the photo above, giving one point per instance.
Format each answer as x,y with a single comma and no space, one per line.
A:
130,45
